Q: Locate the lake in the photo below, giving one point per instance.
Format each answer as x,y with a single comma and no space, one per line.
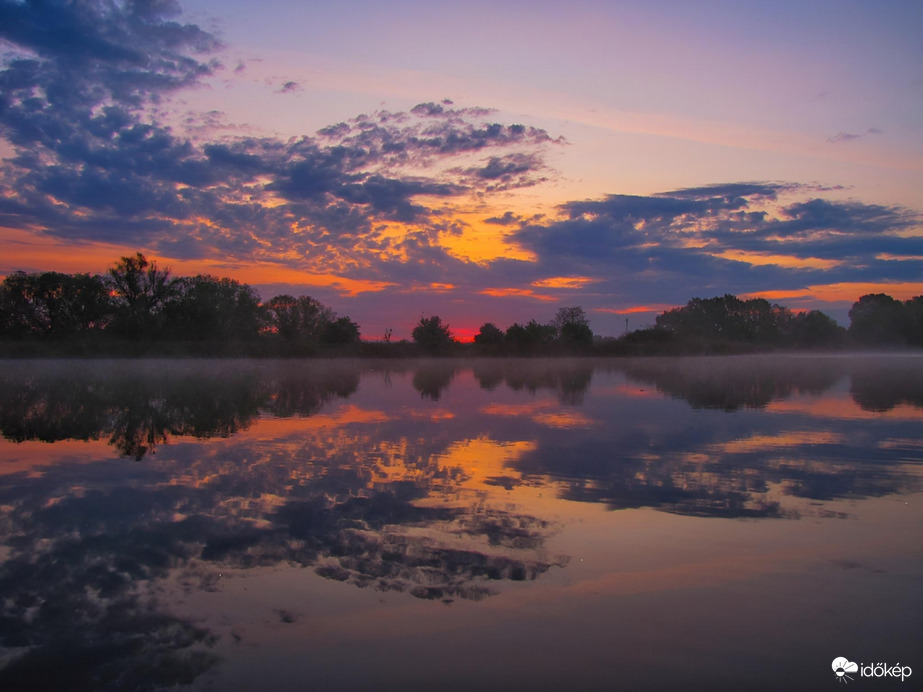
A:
642,524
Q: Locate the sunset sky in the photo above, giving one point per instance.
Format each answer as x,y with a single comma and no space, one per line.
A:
483,161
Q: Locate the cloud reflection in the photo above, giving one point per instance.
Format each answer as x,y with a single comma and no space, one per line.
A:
339,468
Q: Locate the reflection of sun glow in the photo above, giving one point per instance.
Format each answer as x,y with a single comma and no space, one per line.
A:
839,408
482,458
539,412
757,443
434,415
466,463
346,415
564,419
30,456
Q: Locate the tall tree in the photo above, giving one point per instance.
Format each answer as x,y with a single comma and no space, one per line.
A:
432,335
206,307
489,335
340,332
812,330
913,320
142,290
725,318
876,319
303,319
573,326
531,337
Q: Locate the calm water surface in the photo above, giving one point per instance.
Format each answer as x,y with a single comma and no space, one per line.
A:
723,523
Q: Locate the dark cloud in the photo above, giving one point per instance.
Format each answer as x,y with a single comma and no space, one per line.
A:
289,87
508,219
92,160
676,240
82,84
505,167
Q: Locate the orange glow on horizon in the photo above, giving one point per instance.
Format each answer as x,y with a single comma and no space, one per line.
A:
23,250
465,334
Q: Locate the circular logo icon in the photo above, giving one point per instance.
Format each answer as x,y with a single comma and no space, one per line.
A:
842,666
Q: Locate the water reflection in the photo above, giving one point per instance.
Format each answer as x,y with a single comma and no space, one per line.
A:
568,379
139,406
734,383
432,479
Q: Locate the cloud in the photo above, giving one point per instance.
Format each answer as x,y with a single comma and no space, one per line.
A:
669,246
376,198
508,219
847,136
289,87
80,91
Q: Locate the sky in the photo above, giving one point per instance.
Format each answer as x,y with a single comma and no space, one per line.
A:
481,161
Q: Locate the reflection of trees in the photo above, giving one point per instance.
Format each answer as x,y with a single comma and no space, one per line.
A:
304,392
80,566
634,462
569,378
373,506
890,382
731,383
142,405
432,378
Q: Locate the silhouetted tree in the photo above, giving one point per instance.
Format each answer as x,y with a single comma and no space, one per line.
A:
53,305
432,380
301,318
340,332
432,335
913,320
206,307
876,319
813,329
489,335
725,318
573,326
141,292
531,337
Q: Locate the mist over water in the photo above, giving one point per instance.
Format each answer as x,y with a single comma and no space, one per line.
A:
485,523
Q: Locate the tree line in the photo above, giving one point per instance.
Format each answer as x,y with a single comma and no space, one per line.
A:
728,324
137,302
